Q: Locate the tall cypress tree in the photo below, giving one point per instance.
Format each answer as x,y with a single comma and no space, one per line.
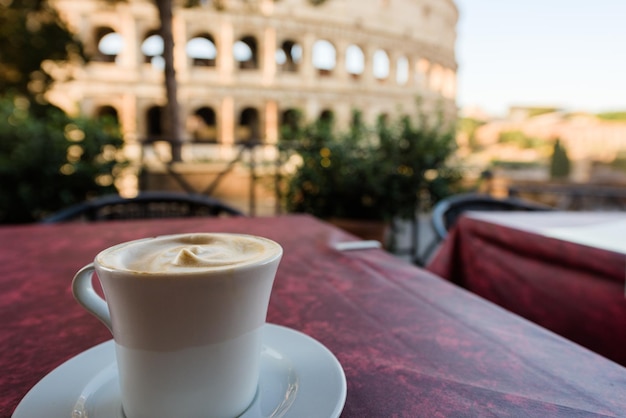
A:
560,165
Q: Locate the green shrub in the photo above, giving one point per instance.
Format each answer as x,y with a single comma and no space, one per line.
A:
613,116
519,139
367,172
52,161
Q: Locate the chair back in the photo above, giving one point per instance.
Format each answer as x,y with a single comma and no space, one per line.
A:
146,205
447,211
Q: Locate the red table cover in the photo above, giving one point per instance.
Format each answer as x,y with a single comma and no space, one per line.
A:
411,344
574,290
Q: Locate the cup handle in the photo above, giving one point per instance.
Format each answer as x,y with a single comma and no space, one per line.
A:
82,287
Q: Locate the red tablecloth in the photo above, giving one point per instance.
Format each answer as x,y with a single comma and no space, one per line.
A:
411,344
574,290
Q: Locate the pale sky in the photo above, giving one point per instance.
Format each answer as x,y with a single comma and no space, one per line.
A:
569,54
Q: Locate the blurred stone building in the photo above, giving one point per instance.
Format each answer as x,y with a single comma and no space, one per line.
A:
244,65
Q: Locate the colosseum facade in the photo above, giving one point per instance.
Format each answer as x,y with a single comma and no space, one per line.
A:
243,65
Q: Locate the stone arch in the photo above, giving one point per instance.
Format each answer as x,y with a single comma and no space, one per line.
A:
289,56
248,126
108,43
290,121
202,125
152,49
324,57
202,50
381,65
403,70
246,53
107,112
355,61
327,116
154,123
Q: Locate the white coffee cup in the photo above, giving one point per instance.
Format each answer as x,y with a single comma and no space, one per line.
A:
186,313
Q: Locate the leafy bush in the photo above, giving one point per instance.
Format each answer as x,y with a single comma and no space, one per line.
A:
612,116
52,161
370,173
538,111
519,139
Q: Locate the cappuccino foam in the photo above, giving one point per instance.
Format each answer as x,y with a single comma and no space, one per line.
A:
189,253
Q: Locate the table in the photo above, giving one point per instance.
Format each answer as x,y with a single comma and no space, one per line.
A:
562,270
411,344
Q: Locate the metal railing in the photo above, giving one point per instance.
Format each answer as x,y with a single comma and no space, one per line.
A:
574,196
242,154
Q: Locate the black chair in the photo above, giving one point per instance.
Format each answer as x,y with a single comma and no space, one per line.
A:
447,211
146,205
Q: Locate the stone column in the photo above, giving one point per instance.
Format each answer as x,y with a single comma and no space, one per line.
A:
306,69
271,122
368,65
268,57
340,72
130,56
420,73
392,79
224,43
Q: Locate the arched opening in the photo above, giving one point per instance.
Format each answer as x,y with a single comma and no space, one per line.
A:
355,61
109,44
245,52
324,57
402,71
152,49
202,125
202,51
288,56
380,62
290,120
154,123
327,116
248,127
108,113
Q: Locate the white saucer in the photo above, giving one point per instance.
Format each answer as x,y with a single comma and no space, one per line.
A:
299,377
